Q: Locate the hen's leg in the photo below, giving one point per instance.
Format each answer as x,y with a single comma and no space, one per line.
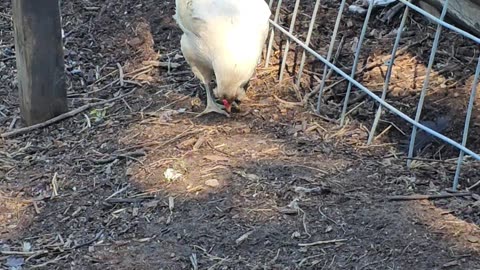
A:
202,71
211,104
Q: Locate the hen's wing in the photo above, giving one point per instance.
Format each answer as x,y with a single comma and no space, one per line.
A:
207,16
186,16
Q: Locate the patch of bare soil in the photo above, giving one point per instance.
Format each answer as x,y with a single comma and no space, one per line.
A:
139,183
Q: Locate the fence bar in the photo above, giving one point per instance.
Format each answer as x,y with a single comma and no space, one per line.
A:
272,35
287,44
374,96
371,136
467,125
355,61
436,20
270,3
329,55
307,41
423,93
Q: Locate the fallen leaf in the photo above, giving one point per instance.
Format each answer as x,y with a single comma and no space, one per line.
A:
15,262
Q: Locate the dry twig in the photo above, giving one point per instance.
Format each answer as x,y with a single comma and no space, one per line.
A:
428,197
129,155
61,117
322,242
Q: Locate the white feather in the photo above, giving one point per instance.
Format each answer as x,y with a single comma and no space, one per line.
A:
225,38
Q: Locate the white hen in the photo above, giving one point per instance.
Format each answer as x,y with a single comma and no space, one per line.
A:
224,38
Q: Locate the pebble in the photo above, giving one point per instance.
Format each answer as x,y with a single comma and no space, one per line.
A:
212,183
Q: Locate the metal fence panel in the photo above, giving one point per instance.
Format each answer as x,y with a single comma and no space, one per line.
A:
382,103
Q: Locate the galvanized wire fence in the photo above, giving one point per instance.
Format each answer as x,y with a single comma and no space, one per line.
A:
277,29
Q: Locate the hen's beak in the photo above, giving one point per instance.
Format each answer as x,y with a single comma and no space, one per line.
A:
228,106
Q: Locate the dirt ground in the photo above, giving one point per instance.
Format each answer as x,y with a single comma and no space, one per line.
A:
139,183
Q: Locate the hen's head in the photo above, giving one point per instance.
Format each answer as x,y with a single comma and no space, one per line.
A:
228,97
228,105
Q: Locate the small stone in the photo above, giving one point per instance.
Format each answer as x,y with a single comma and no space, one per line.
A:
135,42
473,239
212,183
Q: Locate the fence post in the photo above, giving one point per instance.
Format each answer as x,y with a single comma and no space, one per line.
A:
39,55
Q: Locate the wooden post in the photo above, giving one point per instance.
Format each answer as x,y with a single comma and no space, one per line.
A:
39,55
462,13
